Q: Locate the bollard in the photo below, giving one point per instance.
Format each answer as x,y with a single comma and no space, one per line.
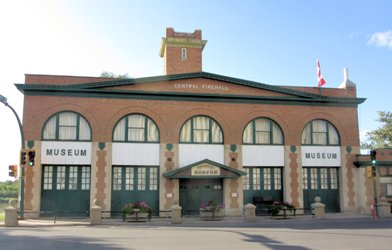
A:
250,212
318,208
95,213
11,214
176,214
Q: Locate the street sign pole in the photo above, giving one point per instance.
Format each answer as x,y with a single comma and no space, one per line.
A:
22,168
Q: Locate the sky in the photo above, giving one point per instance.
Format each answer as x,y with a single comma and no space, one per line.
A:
273,42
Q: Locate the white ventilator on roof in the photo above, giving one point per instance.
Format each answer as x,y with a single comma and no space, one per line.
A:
346,82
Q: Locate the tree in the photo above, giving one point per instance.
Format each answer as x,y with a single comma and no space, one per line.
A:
108,74
381,137
9,189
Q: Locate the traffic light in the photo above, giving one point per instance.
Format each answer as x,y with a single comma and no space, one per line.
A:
13,171
31,158
369,171
373,154
23,158
373,171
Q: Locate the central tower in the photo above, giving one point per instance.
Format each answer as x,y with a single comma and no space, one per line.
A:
182,52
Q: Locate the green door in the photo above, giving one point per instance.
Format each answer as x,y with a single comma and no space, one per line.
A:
65,191
133,184
264,183
322,182
193,192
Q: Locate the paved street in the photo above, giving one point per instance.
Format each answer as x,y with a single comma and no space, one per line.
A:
233,233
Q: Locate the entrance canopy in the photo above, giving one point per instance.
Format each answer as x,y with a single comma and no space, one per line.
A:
204,169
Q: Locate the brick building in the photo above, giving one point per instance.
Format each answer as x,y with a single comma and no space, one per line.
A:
187,137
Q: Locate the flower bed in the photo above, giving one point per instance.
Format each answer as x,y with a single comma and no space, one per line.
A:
136,212
212,211
279,208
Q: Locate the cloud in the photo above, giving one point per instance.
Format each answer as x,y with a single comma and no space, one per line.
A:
381,39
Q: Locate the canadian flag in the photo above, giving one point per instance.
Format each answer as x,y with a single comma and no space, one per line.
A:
321,80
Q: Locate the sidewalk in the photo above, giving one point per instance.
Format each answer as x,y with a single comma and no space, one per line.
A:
186,221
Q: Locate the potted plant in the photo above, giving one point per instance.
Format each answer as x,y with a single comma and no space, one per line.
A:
139,211
212,211
282,208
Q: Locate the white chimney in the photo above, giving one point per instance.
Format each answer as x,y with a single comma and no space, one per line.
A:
346,82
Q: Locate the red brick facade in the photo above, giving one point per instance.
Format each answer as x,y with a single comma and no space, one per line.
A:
171,101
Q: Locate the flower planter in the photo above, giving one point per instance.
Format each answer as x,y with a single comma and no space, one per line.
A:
137,216
212,214
136,212
284,214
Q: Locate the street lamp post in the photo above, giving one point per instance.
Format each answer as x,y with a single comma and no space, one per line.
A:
4,101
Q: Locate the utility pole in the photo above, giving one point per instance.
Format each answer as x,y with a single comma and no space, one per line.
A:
373,158
23,146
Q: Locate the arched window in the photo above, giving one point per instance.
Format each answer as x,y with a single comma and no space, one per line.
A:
320,132
262,131
67,126
136,128
201,129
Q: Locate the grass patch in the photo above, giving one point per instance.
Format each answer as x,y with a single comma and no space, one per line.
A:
2,206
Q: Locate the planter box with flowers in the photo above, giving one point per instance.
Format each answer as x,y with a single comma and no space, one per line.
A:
136,212
212,211
282,209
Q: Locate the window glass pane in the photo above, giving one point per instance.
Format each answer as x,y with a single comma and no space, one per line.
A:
333,135
313,178
50,129
73,178
307,135
48,177
67,119
84,130
67,126
135,134
136,128
200,136
119,131
277,134
140,129
256,179
183,53
320,132
67,133
153,178
246,179
277,179
60,178
141,178
201,129
129,178
305,178
267,178
262,131
85,178
116,178
324,178
201,122
334,178
152,131
247,136
186,132
319,138
262,137
216,133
